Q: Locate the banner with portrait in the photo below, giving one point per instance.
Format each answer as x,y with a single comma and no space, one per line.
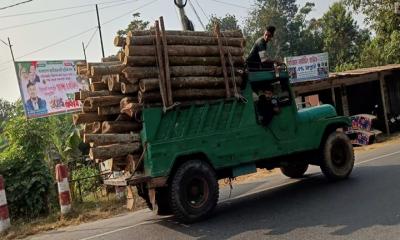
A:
48,87
308,67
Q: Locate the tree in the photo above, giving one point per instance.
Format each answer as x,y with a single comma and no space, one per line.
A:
342,38
135,24
229,22
384,48
294,34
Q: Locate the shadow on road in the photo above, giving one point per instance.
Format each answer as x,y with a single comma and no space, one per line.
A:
371,196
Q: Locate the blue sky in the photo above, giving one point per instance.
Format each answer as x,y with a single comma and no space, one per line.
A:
29,40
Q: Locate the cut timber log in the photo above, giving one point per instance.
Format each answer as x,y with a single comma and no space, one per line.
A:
97,127
127,100
176,71
183,94
114,150
103,101
121,56
119,41
228,34
133,162
151,84
120,127
127,88
113,84
182,50
183,40
107,69
141,61
77,96
98,86
80,118
109,110
89,65
132,109
111,58
88,128
85,94
110,138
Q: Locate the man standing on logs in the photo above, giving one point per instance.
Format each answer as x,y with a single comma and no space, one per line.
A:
258,57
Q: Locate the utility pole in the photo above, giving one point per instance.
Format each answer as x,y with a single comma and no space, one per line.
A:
98,25
12,52
184,19
84,51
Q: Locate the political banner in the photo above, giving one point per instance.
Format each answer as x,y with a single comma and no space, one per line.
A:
308,67
48,87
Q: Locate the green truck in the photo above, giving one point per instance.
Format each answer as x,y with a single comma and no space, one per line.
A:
189,148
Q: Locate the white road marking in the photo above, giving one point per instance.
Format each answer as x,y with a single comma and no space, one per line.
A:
226,200
120,229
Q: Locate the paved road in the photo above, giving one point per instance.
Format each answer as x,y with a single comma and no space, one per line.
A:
366,206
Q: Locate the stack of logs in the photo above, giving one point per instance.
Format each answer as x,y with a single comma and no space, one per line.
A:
153,68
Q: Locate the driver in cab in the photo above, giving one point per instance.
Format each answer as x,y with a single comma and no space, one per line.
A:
267,105
258,57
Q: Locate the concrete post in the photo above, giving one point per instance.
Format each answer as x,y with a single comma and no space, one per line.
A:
4,214
64,192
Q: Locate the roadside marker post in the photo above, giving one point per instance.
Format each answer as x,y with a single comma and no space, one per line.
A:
4,214
64,193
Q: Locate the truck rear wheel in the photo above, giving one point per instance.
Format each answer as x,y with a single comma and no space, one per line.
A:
194,191
337,156
294,170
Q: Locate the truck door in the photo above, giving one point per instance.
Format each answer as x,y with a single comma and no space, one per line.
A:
283,122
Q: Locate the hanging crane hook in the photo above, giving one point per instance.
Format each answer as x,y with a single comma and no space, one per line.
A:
180,5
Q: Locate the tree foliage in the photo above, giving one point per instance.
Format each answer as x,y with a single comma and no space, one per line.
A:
228,22
135,24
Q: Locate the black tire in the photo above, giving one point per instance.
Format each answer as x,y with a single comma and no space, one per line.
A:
162,200
337,156
194,191
294,170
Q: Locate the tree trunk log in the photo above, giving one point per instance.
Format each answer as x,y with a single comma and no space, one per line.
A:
103,101
114,150
112,58
176,71
110,138
85,94
79,118
151,84
88,128
121,56
132,109
113,84
127,88
89,65
109,110
228,34
119,41
183,94
141,61
183,50
184,40
120,127
97,127
107,69
98,86
127,100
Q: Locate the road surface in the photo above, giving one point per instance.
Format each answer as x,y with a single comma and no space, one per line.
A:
366,206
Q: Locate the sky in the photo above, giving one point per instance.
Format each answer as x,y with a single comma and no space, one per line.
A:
38,36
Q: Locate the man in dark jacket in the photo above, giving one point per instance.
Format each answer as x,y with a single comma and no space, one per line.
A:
258,54
267,106
35,104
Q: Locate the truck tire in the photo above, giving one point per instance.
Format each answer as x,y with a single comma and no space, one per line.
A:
337,156
161,199
194,191
294,170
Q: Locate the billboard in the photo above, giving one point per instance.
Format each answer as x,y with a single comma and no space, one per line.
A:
308,67
48,87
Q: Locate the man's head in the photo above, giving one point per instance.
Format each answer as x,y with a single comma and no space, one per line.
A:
32,90
269,33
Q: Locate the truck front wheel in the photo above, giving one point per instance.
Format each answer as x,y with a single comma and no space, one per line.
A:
294,170
194,191
337,156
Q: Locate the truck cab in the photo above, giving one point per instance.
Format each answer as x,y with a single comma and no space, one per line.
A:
187,149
